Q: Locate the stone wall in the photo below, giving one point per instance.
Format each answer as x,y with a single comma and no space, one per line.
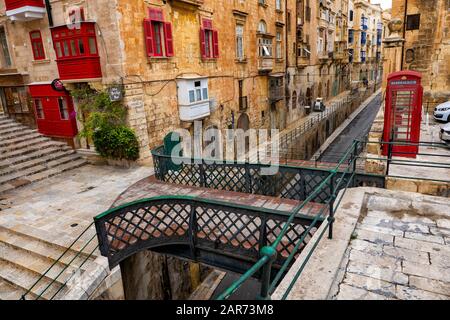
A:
427,50
150,276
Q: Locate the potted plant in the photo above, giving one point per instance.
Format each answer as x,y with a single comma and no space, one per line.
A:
105,125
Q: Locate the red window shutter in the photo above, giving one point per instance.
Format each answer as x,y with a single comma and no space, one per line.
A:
215,44
202,43
148,32
168,39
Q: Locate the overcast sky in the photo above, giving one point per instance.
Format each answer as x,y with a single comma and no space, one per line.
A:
385,4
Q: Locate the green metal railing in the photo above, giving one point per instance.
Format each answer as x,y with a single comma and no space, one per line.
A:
268,254
49,291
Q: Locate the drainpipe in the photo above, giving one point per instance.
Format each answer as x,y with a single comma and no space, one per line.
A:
48,6
404,33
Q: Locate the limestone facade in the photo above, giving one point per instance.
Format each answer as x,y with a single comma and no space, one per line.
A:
269,59
427,44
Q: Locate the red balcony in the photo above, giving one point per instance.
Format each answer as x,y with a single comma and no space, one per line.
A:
77,52
25,10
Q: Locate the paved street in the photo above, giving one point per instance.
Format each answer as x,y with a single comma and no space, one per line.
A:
397,252
357,129
48,209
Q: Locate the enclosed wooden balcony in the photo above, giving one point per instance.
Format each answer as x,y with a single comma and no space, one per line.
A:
77,52
25,10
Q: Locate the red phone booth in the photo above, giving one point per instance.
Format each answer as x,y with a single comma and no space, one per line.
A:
54,111
403,113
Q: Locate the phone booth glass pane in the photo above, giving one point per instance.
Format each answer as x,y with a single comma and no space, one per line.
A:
402,109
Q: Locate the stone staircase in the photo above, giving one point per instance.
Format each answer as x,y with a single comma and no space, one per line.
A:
24,259
27,156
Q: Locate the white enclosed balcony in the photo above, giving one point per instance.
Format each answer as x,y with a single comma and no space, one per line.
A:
193,98
25,10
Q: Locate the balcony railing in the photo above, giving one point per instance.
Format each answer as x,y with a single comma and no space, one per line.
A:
25,10
302,62
265,64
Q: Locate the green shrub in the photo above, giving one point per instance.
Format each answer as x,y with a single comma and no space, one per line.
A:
116,142
104,123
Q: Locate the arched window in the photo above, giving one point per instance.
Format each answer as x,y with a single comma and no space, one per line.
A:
294,100
262,27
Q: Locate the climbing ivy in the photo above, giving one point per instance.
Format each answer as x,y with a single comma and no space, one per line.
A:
105,123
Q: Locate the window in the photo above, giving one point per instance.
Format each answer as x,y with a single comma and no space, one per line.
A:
39,108
36,45
265,47
413,22
5,56
209,40
363,56
73,43
262,27
350,35
279,46
307,11
158,35
351,15
363,38
199,93
63,109
350,55
239,42
278,5
294,100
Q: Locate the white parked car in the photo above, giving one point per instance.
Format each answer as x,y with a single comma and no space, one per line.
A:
445,132
442,112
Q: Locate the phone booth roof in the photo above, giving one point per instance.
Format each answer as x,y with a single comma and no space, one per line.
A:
405,73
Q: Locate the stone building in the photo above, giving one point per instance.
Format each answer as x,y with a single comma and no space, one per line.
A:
322,60
365,42
230,64
426,47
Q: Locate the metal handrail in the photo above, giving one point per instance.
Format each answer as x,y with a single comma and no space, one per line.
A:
58,260
265,261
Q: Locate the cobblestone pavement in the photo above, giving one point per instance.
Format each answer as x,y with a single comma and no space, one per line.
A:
58,209
400,250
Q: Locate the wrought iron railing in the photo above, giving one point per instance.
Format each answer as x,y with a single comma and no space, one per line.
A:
217,233
334,182
308,185
53,282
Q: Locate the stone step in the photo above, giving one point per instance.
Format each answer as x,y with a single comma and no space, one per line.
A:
11,124
23,144
24,279
14,135
13,130
30,156
57,170
9,291
33,148
5,121
43,248
28,174
36,263
15,139
34,162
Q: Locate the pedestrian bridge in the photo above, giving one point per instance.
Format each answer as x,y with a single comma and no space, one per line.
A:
220,234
